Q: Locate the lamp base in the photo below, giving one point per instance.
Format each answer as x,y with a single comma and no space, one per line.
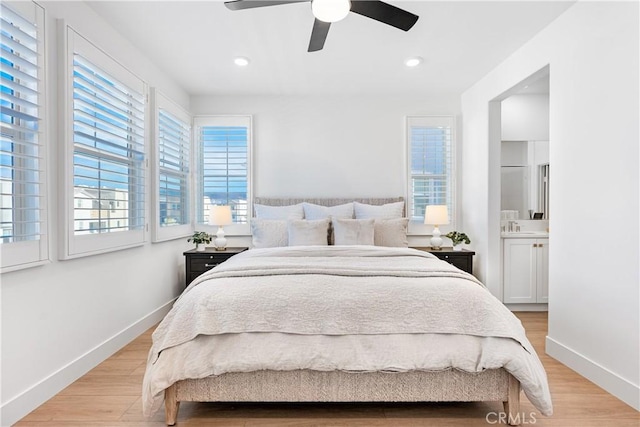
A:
436,240
220,242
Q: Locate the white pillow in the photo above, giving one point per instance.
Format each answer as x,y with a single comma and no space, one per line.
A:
353,231
269,233
391,232
312,211
279,212
303,232
390,210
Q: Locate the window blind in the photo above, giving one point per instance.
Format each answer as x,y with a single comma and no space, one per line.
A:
173,163
22,189
431,163
224,151
108,152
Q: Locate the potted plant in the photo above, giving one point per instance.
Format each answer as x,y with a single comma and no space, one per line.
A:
199,238
457,238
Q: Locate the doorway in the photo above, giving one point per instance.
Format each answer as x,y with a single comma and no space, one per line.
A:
520,179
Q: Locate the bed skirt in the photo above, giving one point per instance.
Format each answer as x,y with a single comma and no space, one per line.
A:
336,386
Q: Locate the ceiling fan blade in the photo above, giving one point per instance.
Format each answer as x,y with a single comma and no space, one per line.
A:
318,35
251,4
384,12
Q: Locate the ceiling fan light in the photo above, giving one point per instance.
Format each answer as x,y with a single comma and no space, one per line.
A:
330,10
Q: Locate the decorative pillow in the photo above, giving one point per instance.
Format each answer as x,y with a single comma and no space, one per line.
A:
312,211
303,232
353,231
269,233
390,210
391,232
279,212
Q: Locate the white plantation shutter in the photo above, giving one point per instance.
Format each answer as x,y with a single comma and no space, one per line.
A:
174,169
22,190
107,150
431,177
224,165
172,163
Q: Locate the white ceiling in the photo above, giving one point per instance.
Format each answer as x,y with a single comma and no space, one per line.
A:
537,87
195,43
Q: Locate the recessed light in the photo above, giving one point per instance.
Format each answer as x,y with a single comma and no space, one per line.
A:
241,61
413,62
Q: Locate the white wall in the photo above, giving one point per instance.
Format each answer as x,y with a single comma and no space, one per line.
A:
594,301
525,118
61,319
330,146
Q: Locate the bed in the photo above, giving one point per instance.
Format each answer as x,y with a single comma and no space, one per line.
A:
340,323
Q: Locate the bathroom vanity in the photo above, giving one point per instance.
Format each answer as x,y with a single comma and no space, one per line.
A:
525,267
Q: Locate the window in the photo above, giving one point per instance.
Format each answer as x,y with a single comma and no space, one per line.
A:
105,152
431,178
23,238
172,136
224,166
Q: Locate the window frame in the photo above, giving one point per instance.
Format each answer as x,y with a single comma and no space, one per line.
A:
235,229
32,253
159,234
72,245
417,225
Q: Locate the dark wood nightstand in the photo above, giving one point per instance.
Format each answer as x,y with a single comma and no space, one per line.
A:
197,262
462,259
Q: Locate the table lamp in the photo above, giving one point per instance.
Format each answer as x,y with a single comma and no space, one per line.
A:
436,215
220,215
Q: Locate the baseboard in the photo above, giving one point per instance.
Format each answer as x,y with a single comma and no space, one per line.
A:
18,407
528,307
621,388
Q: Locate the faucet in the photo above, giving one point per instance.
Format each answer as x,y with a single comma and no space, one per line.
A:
513,226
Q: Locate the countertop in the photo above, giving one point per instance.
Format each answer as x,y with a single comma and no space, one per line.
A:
524,235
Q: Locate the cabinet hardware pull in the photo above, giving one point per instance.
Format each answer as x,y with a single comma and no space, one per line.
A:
210,265
535,245
540,245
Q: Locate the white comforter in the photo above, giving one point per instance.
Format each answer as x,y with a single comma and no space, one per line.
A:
348,308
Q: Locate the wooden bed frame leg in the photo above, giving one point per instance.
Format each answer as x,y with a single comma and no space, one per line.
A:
512,405
171,405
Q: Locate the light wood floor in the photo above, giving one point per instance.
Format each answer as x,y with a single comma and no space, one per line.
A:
109,395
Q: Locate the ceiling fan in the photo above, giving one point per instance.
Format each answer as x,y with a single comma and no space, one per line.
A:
329,11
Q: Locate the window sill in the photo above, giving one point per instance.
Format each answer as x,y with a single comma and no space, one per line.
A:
24,266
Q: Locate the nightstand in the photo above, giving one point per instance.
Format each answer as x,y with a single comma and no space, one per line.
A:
197,262
462,259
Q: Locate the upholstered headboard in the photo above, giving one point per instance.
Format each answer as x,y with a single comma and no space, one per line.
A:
286,201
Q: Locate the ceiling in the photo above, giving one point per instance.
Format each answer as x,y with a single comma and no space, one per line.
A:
195,44
537,87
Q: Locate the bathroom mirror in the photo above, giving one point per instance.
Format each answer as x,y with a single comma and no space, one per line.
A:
525,148
525,178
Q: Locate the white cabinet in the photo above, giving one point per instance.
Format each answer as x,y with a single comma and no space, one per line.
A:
525,270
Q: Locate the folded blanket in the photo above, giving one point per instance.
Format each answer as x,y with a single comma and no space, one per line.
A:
329,291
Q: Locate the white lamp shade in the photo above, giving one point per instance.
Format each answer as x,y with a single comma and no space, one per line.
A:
330,10
436,215
220,215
